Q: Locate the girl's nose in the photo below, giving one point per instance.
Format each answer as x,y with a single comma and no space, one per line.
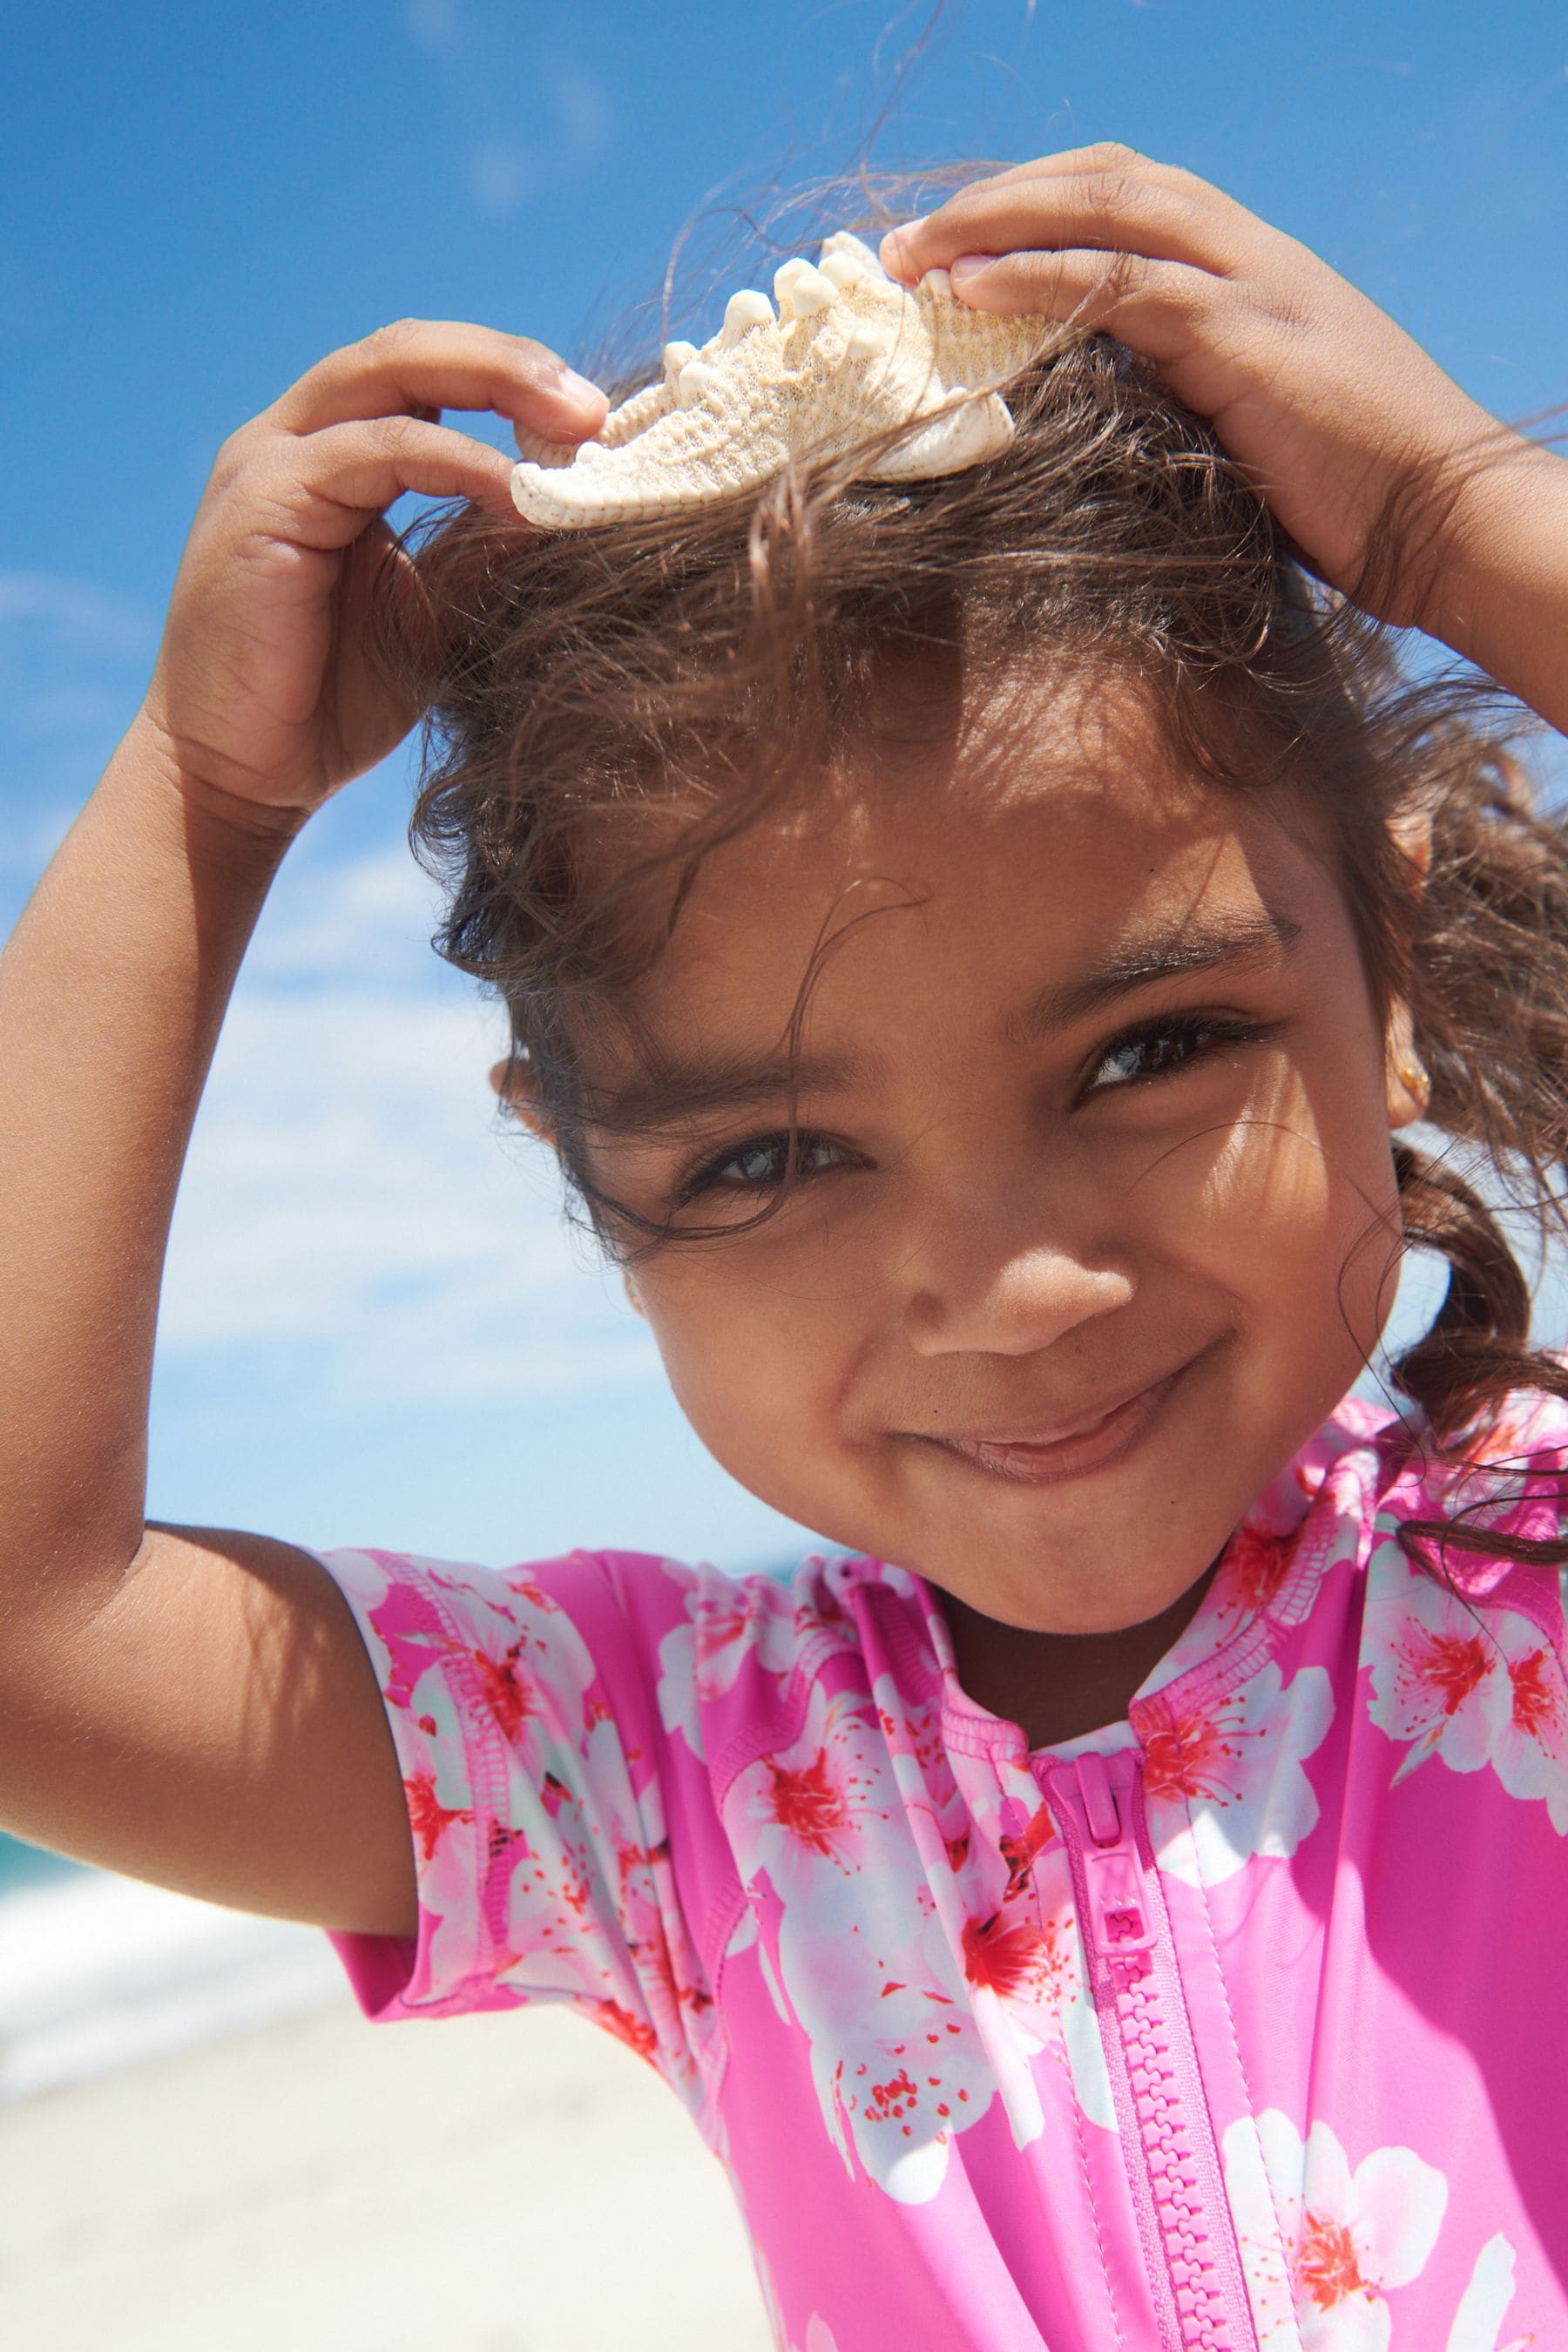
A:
995,1283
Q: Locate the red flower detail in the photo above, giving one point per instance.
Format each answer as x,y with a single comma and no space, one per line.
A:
1010,1959
1326,2266
1534,1703
1451,1665
808,1804
1254,1566
1188,1757
891,2098
632,2030
428,1818
507,1698
1018,1853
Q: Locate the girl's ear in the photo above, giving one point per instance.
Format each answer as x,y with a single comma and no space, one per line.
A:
1412,833
511,1081
1408,1089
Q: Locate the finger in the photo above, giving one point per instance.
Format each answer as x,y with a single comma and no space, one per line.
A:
323,486
1163,214
1104,155
1157,308
422,364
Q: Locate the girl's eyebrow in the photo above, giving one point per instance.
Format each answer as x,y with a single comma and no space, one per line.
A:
1187,944
670,1089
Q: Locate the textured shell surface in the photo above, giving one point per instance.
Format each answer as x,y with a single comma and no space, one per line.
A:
846,355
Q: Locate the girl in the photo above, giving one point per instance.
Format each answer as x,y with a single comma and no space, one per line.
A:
972,943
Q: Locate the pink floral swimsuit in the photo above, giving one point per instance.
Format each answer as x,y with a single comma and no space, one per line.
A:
1239,2023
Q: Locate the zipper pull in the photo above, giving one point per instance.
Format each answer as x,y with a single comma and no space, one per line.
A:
1113,1875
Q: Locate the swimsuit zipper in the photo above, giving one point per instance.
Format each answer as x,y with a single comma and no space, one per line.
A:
1189,2243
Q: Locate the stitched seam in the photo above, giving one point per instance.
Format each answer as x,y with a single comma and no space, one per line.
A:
1093,2204
491,1746
716,1960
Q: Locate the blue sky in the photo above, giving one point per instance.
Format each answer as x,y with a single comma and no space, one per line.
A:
375,1328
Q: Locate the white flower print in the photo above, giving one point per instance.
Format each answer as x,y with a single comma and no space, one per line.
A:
1225,1782
1319,2244
857,1941
1468,1689
1017,1944
731,1620
1478,2320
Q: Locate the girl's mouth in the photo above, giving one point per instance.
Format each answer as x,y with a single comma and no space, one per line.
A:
1032,1461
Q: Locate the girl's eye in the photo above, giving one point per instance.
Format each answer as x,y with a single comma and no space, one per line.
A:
1155,1051
762,1165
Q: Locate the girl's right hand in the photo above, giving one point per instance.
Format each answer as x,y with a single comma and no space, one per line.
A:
264,696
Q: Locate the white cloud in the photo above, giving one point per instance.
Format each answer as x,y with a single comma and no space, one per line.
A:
433,23
370,916
582,107
351,1207
499,174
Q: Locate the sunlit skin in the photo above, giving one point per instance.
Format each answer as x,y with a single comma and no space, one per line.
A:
996,1232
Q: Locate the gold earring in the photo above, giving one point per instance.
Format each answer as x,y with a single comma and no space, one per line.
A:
1417,1083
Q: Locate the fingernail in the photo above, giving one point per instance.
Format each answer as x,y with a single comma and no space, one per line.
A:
578,388
968,267
896,236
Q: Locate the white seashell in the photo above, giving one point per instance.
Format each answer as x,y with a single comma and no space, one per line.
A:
842,270
696,377
784,276
747,309
814,293
867,342
537,451
761,395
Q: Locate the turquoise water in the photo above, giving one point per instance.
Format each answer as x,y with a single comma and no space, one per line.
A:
29,1865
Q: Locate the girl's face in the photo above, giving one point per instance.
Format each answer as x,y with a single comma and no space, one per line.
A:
1097,1215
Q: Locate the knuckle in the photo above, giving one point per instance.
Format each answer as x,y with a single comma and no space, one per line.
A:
395,338
1125,275
1111,155
1109,194
394,434
238,453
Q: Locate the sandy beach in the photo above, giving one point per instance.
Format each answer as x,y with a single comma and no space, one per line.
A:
515,2183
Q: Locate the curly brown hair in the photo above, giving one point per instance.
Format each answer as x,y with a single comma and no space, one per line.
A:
606,705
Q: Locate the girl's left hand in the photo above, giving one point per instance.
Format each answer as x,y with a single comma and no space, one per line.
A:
1367,453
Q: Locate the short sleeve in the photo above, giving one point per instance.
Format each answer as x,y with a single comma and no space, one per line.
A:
521,1705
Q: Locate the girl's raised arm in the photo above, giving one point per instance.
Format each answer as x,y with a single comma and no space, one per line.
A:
1400,489
195,1707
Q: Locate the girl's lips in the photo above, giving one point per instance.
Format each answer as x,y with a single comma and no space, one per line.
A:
1042,1462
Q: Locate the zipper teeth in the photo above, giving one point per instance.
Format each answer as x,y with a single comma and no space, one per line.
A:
1170,2160
1162,2086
